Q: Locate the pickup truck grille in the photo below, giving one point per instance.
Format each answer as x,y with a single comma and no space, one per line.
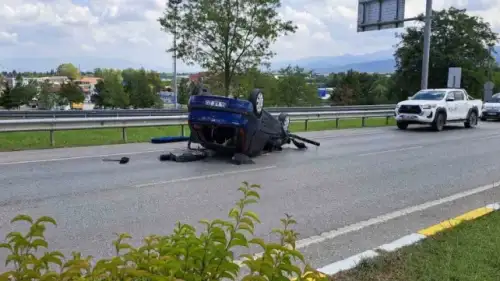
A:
410,109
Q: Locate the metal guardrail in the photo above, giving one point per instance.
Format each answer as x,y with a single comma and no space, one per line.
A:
60,124
35,114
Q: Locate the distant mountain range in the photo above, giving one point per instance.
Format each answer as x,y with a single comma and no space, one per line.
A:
381,62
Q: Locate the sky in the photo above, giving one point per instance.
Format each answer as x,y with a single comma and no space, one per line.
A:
128,29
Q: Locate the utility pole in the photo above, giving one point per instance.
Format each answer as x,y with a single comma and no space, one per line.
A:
175,4
427,45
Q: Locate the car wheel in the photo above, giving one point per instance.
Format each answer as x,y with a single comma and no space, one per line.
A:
402,125
471,121
284,120
438,124
257,100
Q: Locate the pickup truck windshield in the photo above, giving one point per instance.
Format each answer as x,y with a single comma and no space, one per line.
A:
429,95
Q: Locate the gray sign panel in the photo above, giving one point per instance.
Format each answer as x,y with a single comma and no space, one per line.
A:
380,14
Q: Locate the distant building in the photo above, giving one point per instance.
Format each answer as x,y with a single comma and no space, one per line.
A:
87,84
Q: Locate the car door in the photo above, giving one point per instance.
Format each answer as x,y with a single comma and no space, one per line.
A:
451,106
462,108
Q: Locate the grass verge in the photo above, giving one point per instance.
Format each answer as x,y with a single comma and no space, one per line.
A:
468,251
39,140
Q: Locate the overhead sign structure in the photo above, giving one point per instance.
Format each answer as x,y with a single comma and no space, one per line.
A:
454,77
385,14
380,14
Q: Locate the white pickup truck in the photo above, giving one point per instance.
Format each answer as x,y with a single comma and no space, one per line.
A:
437,107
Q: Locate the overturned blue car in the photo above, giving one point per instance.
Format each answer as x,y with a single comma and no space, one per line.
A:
240,128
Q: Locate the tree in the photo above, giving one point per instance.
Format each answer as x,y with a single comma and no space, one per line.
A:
225,36
348,89
458,40
47,98
110,91
70,93
137,85
69,70
7,101
183,91
293,89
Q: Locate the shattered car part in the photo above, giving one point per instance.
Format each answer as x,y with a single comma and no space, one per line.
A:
189,156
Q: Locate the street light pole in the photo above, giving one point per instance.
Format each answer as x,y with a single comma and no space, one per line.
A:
427,45
175,4
174,78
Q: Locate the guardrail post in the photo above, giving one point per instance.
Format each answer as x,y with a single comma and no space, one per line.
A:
363,121
387,120
52,139
182,130
305,124
337,123
124,134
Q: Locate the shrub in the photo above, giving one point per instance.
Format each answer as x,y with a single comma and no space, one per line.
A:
182,255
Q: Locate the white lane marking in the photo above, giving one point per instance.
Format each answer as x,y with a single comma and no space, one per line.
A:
348,263
78,157
391,150
390,216
402,242
223,174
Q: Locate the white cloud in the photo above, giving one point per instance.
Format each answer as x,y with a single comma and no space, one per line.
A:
128,29
7,38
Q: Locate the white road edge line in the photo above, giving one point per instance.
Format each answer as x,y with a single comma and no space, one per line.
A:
353,261
390,216
79,157
303,243
206,176
391,150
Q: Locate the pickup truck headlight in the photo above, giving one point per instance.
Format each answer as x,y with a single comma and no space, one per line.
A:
428,106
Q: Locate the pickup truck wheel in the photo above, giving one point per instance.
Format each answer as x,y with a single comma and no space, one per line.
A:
402,125
471,121
438,123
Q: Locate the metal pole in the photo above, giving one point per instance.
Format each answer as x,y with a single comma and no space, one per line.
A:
490,68
174,79
427,44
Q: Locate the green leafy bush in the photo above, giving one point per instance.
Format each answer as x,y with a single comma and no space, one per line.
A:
182,255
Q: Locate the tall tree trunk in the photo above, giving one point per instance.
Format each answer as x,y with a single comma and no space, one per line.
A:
227,79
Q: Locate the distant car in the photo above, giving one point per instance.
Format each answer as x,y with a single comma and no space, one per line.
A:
438,107
237,126
491,108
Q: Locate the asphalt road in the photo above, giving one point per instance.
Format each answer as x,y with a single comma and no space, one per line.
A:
355,175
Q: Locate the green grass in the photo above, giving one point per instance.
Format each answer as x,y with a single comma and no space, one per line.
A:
39,140
467,252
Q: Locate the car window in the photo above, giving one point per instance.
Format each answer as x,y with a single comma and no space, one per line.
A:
429,95
459,95
450,95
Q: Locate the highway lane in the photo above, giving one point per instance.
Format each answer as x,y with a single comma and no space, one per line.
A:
355,175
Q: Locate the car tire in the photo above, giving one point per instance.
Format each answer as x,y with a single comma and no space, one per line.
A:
285,121
438,123
471,120
402,125
257,99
